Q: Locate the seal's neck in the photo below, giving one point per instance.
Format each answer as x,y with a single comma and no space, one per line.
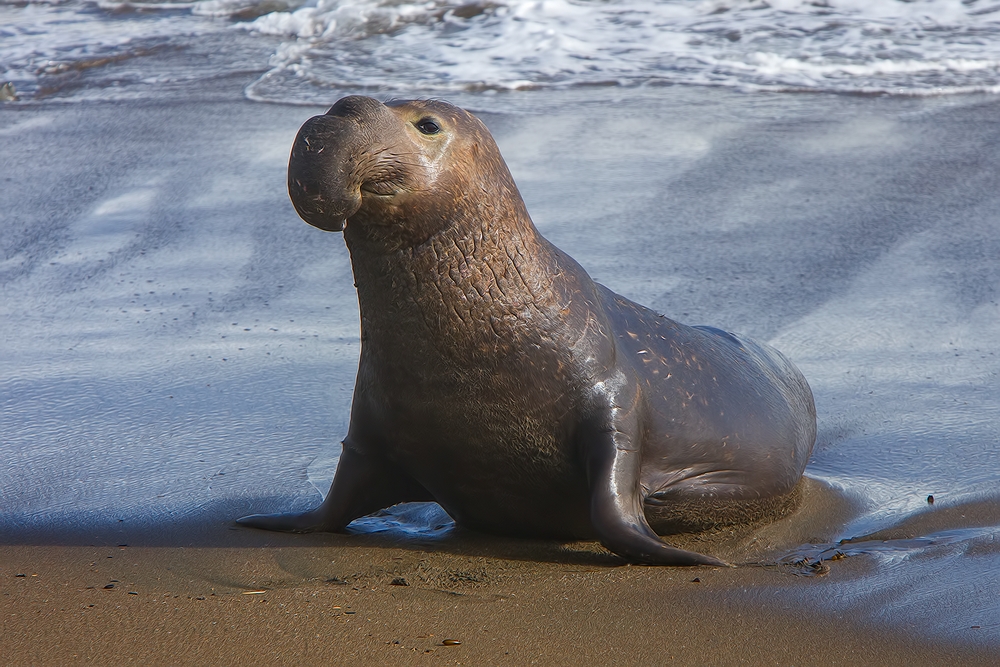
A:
475,283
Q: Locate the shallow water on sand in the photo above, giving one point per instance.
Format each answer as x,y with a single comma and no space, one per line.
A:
179,348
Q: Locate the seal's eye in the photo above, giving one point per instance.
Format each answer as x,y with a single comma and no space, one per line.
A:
428,126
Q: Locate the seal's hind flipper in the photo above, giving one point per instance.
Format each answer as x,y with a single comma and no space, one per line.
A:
613,458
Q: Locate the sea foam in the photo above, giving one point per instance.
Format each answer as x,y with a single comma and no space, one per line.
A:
888,46
913,47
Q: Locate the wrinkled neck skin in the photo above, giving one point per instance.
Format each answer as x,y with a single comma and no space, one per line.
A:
474,289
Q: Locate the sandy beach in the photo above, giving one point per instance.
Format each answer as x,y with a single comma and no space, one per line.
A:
462,599
179,350
480,603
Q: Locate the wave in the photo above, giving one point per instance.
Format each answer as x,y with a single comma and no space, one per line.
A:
900,47
876,46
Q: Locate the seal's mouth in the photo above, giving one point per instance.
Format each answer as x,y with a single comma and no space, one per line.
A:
328,225
382,189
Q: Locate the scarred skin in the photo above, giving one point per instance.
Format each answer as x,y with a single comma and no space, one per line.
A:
499,380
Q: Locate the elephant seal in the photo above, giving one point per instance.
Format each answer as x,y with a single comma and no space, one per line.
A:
498,379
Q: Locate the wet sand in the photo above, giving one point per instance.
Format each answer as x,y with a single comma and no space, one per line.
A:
179,350
334,601
461,598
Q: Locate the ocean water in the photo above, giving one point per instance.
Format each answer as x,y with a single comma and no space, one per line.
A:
308,51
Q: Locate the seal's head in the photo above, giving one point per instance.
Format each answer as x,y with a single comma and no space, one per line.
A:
406,167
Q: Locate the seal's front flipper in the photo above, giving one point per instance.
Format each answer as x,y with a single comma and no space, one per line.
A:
613,460
313,521
362,484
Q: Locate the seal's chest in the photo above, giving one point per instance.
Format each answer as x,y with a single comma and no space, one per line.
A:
493,462
483,416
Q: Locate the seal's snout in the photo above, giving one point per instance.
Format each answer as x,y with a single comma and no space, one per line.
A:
357,106
321,182
332,157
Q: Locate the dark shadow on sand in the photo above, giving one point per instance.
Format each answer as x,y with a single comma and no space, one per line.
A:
823,511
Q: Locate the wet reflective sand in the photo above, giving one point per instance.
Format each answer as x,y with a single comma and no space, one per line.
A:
179,350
